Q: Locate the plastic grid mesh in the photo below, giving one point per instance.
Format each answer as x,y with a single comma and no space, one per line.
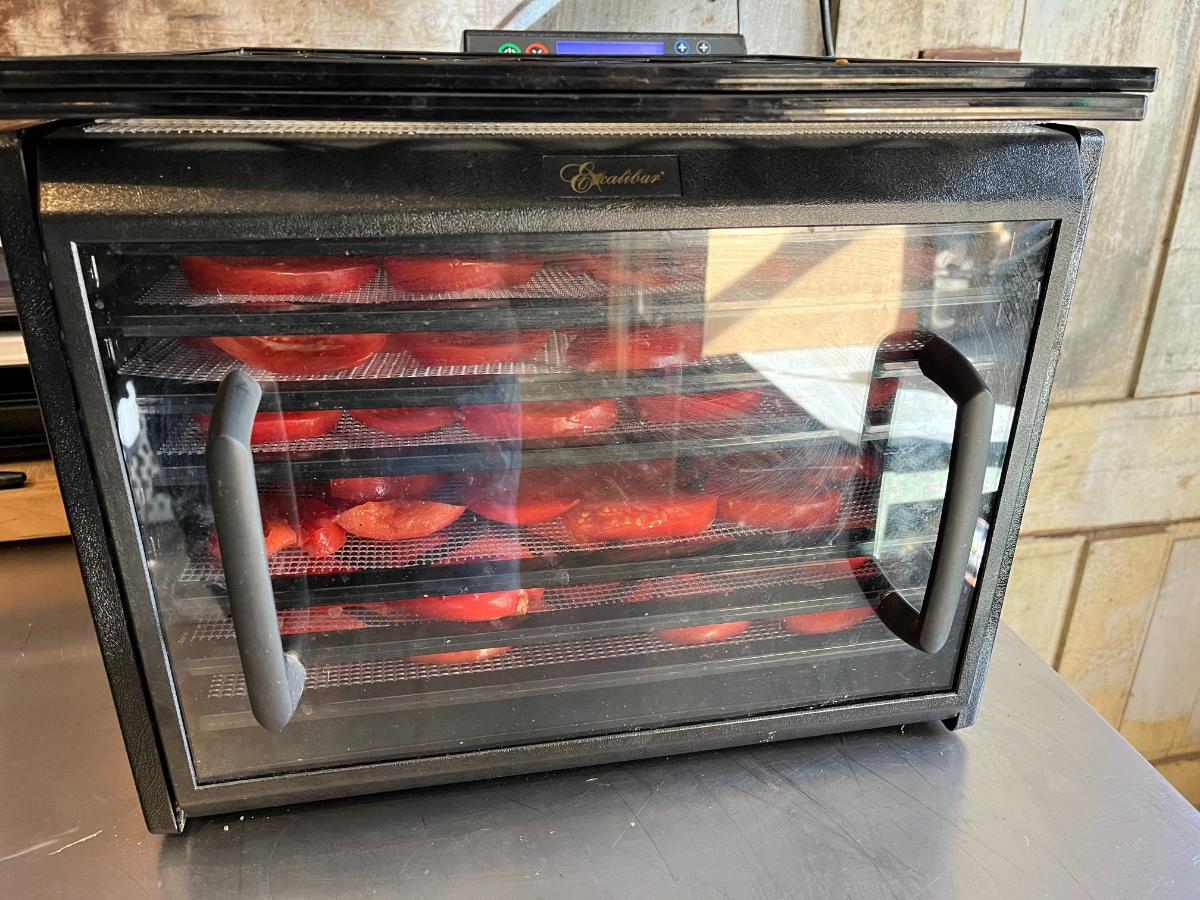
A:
389,671
775,413
309,619
170,358
471,539
551,282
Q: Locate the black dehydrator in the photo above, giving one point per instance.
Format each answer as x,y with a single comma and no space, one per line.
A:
432,418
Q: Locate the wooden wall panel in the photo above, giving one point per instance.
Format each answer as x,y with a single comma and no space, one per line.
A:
1138,178
902,28
1040,589
1171,363
1120,463
1162,717
1116,597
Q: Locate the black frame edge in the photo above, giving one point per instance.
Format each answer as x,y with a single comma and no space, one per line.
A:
1044,357
72,462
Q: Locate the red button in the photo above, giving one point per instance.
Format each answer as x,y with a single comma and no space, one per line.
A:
537,48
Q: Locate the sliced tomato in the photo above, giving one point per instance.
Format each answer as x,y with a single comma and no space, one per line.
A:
501,545
277,274
796,511
451,274
320,533
697,407
536,421
638,270
459,657
644,347
882,391
303,354
317,620
392,487
702,634
482,607
521,509
470,348
828,622
398,520
278,534
270,427
670,515
406,421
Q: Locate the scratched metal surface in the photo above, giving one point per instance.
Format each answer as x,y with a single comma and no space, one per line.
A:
1040,799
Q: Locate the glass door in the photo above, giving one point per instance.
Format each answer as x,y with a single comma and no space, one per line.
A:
471,492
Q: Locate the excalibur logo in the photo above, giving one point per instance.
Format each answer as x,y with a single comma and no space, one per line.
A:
583,177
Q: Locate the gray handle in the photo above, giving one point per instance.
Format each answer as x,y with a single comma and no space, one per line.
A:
927,630
274,679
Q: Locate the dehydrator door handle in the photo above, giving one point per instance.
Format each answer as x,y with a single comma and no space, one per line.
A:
943,364
274,679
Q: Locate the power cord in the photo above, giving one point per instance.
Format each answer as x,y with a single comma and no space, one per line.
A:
826,27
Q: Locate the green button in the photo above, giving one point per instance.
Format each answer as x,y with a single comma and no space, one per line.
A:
509,48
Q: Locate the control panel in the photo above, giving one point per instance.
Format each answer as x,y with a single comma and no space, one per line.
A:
603,43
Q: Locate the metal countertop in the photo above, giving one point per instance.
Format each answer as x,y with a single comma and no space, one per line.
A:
1040,799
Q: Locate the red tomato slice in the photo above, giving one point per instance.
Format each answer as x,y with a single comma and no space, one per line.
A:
828,622
406,421
697,407
482,607
447,274
460,657
646,347
520,510
672,515
781,511
702,634
278,534
277,274
546,419
635,271
303,354
882,391
392,487
270,427
470,348
317,620
320,533
398,520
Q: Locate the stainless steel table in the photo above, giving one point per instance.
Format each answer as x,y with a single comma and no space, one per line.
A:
1040,799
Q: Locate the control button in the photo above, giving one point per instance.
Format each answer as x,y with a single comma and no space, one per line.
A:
703,47
682,47
509,48
537,49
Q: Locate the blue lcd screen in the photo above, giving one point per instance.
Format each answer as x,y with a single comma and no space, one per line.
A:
610,48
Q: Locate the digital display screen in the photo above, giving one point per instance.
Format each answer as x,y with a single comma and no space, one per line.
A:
611,48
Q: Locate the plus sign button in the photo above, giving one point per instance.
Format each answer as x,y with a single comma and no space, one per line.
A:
682,47
703,47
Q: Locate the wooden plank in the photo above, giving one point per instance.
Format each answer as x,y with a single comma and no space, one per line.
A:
1113,605
1039,591
902,28
35,510
1120,463
1138,177
1184,775
61,26
1162,717
1171,364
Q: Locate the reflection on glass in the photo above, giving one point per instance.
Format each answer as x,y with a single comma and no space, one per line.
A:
519,487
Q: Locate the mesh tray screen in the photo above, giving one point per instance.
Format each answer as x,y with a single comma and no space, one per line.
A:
556,599
471,539
550,282
775,414
390,671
